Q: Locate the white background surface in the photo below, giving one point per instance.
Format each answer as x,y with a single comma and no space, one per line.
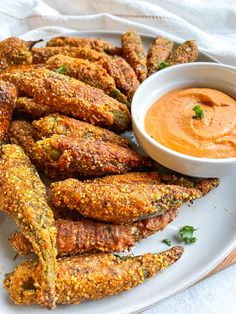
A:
211,23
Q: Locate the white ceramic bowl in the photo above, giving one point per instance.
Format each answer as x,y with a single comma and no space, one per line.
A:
200,74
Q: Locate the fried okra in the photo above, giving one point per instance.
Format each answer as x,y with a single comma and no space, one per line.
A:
159,51
23,197
33,108
63,125
91,236
186,52
121,202
91,277
72,97
65,156
14,50
88,72
8,96
133,52
93,43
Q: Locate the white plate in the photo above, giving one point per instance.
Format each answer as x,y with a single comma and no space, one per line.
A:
214,215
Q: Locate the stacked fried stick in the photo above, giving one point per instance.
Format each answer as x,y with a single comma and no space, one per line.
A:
107,197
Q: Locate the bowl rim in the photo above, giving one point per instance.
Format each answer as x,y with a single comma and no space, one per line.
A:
230,160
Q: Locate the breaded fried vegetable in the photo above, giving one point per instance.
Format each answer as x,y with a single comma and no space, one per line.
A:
123,74
133,52
33,108
14,50
72,97
8,96
120,202
131,177
65,156
63,125
91,236
93,43
158,52
90,73
23,196
187,52
81,278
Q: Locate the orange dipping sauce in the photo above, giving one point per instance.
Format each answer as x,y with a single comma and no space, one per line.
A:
172,122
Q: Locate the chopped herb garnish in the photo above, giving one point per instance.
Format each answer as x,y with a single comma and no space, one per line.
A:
61,70
164,65
199,113
186,234
151,136
167,242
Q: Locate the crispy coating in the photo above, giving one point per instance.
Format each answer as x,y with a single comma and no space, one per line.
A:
158,52
186,52
123,74
14,50
63,125
133,52
121,202
88,72
8,96
33,108
72,97
92,43
65,156
91,236
131,177
90,277
23,196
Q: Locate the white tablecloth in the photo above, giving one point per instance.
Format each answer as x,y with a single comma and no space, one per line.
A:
211,23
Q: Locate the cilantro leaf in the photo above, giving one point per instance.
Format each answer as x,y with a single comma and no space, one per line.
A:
164,65
186,234
199,113
61,70
167,242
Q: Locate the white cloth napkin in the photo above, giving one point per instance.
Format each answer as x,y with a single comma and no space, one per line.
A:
211,23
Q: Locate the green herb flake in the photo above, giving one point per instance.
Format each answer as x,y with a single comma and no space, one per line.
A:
61,70
164,65
167,242
186,234
199,113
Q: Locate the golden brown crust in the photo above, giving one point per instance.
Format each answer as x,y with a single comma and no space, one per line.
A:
158,52
8,96
92,43
89,277
23,196
33,108
134,54
73,97
63,125
186,52
121,202
90,236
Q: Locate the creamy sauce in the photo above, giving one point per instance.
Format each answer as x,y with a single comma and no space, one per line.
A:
170,122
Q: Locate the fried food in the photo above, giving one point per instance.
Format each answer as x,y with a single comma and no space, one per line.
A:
187,52
33,108
72,97
81,278
133,52
121,202
8,96
92,43
65,156
14,51
158,52
91,236
90,73
23,196
63,125
123,74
